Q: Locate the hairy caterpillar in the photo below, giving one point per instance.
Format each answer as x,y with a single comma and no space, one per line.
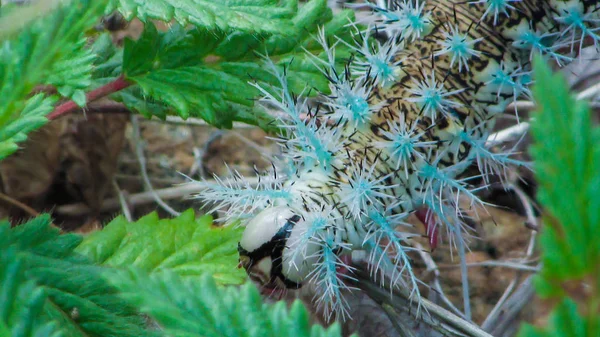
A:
403,122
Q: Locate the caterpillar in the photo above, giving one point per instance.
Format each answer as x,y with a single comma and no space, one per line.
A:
403,122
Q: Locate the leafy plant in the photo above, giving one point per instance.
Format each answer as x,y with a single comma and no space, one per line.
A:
22,301
167,65
184,245
567,162
258,16
200,308
49,51
57,285
202,71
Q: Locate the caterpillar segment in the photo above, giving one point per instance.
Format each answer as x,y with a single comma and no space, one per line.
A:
403,122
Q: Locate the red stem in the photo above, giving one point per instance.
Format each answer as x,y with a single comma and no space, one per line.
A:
105,90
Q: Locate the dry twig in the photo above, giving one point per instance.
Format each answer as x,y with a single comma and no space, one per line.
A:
435,282
507,308
139,150
171,193
518,130
9,200
436,317
122,201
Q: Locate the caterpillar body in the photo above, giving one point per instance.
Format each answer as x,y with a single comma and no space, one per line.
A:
402,124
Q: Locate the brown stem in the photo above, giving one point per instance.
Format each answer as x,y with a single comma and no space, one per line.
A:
107,108
105,90
22,206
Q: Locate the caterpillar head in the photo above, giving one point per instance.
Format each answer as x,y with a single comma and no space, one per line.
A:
269,249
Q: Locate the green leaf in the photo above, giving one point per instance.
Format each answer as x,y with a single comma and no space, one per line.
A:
108,64
567,163
73,72
32,117
72,291
206,74
201,90
175,48
49,51
199,307
22,301
184,245
134,99
254,16
168,68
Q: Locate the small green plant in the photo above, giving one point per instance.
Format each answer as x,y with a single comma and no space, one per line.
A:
567,163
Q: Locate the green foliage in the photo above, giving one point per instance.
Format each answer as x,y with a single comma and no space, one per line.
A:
205,72
48,51
58,285
254,16
567,162
184,245
200,308
568,168
173,270
21,301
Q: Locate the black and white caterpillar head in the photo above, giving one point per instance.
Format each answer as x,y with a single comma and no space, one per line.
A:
284,248
267,249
